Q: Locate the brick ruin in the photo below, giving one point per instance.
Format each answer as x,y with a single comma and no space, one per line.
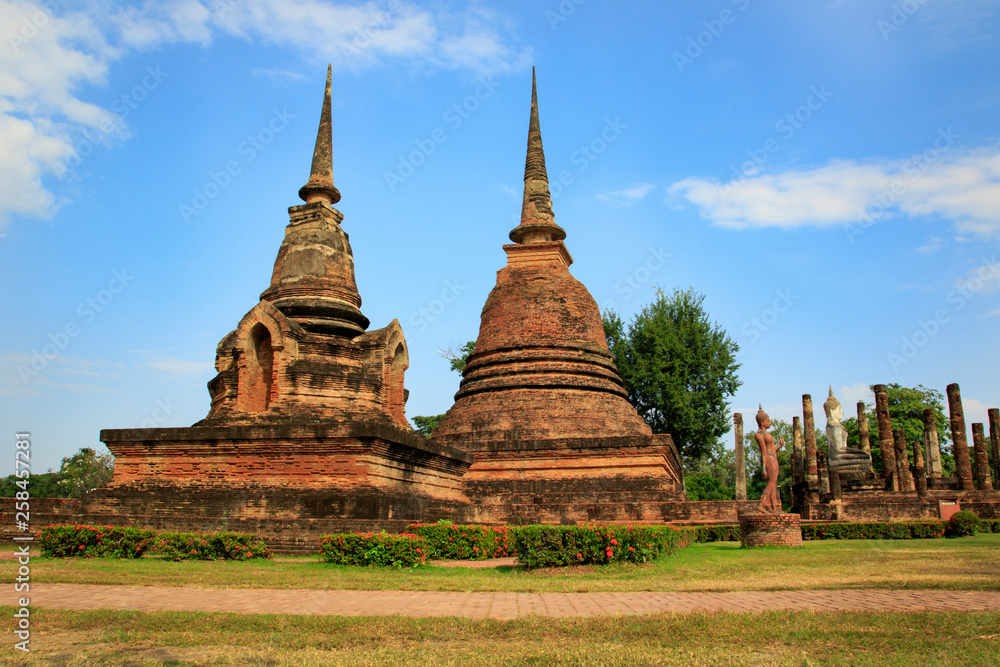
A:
307,433
904,491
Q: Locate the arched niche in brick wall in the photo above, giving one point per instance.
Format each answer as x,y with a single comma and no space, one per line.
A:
266,342
396,361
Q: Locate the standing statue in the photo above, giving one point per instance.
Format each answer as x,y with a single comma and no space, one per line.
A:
840,457
770,500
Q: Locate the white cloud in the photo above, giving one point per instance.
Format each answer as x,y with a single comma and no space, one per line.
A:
505,189
962,186
849,395
984,278
933,244
179,367
975,412
47,59
627,196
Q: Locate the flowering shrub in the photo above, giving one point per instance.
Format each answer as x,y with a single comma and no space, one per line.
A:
962,524
83,541
404,550
548,546
212,546
450,542
896,530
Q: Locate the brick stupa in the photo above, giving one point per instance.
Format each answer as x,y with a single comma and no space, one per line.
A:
307,418
541,404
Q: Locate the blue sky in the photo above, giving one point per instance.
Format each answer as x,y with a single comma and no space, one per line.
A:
826,173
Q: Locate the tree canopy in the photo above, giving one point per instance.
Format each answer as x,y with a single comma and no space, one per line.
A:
84,471
457,357
678,367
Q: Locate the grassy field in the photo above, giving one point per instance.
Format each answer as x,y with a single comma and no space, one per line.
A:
964,563
785,638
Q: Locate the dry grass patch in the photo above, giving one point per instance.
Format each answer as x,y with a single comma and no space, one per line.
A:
779,638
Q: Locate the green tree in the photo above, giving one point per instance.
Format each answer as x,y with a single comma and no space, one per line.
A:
701,486
42,485
458,358
85,471
906,410
424,425
678,367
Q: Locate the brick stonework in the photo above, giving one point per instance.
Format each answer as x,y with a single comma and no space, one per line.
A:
770,530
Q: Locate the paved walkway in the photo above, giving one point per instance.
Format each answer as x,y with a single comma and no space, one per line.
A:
486,605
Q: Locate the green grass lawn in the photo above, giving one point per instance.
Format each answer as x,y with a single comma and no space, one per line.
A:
777,638
963,563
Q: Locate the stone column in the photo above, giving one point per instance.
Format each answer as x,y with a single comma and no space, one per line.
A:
959,441
823,473
809,431
798,460
994,415
741,458
982,460
932,448
864,442
885,442
919,471
902,460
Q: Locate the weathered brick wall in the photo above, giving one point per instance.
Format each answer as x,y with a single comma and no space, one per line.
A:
770,530
885,506
42,512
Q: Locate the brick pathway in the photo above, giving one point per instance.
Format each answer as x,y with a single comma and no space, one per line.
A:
487,605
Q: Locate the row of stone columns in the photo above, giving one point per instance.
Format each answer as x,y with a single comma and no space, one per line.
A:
973,472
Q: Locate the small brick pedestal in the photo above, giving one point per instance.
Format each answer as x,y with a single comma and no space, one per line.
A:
770,530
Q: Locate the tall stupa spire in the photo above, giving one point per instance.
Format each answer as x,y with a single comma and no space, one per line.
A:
537,218
320,186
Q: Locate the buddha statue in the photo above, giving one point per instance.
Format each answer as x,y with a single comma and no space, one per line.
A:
842,458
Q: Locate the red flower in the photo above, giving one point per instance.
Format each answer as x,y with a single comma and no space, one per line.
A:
631,548
614,542
81,546
579,555
611,554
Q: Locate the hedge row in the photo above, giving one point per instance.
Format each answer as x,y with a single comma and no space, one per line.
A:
215,546
450,542
62,541
723,533
554,546
403,550
83,541
900,530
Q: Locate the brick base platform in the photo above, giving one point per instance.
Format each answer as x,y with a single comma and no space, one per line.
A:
770,530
